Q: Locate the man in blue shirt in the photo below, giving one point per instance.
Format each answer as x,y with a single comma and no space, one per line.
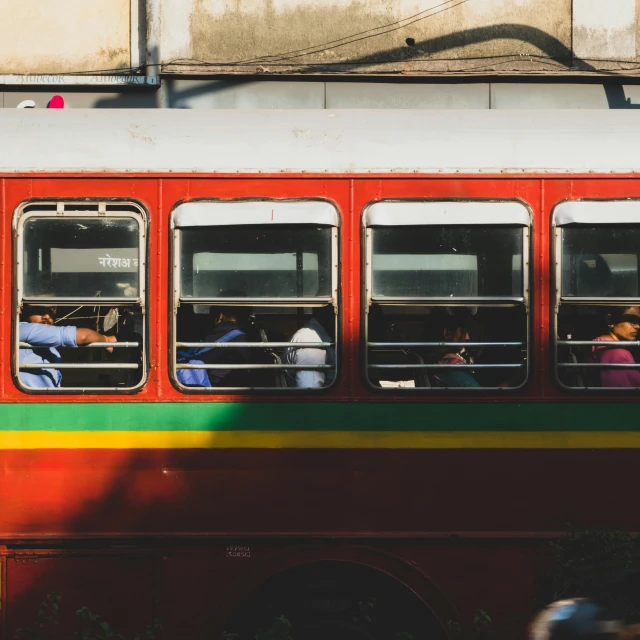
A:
36,328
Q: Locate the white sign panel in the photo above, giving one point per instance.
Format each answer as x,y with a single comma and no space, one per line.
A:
94,260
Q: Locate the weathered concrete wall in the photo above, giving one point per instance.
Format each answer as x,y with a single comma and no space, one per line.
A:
374,35
604,29
270,37
64,36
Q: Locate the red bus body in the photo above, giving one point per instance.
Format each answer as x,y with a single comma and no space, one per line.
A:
456,510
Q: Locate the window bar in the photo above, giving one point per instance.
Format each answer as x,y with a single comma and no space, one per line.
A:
598,365
102,345
243,367
391,345
256,345
615,344
455,367
78,365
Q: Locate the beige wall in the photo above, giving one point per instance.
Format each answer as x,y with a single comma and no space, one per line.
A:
237,30
401,36
421,37
64,36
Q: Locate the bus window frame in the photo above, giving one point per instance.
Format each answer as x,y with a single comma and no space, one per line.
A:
101,208
588,218
368,299
309,302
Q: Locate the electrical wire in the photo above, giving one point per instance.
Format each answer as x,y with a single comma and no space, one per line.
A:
315,49
374,35
323,47
519,58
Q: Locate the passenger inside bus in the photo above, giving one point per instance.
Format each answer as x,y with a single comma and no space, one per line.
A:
230,324
87,260
623,324
317,329
268,279
36,328
455,328
419,330
599,266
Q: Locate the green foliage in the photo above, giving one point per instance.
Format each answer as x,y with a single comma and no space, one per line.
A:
454,630
47,618
280,629
91,625
481,628
483,625
363,610
599,563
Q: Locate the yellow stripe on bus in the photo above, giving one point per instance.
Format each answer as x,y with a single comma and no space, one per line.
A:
317,440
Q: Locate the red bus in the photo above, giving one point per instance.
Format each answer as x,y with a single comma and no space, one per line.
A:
391,468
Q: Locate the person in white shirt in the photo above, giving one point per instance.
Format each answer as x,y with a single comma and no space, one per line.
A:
313,331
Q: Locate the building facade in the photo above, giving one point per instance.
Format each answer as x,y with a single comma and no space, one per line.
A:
311,54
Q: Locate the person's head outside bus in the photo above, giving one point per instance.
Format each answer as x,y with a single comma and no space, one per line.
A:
37,328
574,619
622,325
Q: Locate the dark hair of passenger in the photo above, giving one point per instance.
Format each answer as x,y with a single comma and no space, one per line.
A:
615,314
239,313
29,310
454,320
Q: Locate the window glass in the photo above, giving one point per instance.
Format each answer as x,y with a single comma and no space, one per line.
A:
256,261
80,311
596,329
271,332
81,257
600,261
430,339
453,261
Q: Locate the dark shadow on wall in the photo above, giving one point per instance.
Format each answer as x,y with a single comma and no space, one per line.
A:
616,97
553,49
174,98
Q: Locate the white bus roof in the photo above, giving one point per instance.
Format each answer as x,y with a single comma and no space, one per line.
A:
314,141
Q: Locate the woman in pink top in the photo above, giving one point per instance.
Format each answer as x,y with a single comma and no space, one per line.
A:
623,323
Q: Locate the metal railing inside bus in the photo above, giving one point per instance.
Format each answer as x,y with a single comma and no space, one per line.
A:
83,365
407,346
604,344
256,345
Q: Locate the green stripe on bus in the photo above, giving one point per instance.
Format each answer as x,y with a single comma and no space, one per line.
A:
316,416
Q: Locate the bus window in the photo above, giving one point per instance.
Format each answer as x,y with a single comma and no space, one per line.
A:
80,270
255,300
597,294
446,295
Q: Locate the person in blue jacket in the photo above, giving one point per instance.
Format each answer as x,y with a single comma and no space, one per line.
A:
36,328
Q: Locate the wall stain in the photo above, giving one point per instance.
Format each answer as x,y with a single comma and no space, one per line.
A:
240,36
